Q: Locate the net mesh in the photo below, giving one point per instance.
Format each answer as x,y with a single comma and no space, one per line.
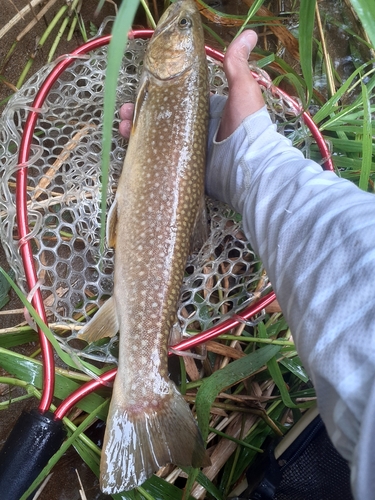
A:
64,192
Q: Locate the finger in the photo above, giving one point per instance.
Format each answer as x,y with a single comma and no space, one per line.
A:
245,96
127,111
237,56
125,127
126,115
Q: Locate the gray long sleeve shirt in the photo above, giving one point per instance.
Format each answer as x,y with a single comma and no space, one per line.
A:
315,234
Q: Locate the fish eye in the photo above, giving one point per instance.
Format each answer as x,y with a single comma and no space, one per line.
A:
184,23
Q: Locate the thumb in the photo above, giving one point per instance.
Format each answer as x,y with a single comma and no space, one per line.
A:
237,55
245,96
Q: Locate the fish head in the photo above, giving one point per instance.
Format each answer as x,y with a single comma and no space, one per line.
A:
177,43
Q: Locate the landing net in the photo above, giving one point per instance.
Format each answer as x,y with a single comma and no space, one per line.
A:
64,193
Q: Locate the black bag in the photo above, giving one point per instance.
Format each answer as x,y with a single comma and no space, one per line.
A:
303,466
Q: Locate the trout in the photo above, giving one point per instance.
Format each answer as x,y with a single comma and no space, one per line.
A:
151,224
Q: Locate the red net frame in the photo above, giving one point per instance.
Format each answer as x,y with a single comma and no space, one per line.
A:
24,230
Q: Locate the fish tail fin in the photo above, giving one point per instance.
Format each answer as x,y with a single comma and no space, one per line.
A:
138,443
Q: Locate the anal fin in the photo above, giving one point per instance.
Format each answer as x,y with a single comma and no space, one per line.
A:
103,324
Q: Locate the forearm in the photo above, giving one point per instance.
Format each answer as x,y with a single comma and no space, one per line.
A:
316,237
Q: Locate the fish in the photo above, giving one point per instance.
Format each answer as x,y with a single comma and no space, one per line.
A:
151,224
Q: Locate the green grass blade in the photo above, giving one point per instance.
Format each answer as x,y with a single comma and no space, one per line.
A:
256,437
192,476
355,129
4,289
349,145
231,374
215,36
206,483
253,9
155,488
12,339
265,61
295,366
148,14
47,332
306,28
275,373
216,14
121,27
367,145
30,371
295,81
365,10
330,106
237,441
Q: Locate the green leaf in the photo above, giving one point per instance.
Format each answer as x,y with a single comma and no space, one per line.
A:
209,486
11,339
251,13
275,372
295,366
4,289
355,129
306,28
30,370
349,163
47,332
295,81
257,438
222,379
156,488
352,146
367,145
274,329
365,10
330,106
192,476
116,49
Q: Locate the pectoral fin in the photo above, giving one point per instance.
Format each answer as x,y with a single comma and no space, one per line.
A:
103,324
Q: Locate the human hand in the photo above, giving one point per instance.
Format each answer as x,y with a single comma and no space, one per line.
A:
245,96
126,116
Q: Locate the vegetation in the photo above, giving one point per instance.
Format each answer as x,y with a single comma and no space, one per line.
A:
254,385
